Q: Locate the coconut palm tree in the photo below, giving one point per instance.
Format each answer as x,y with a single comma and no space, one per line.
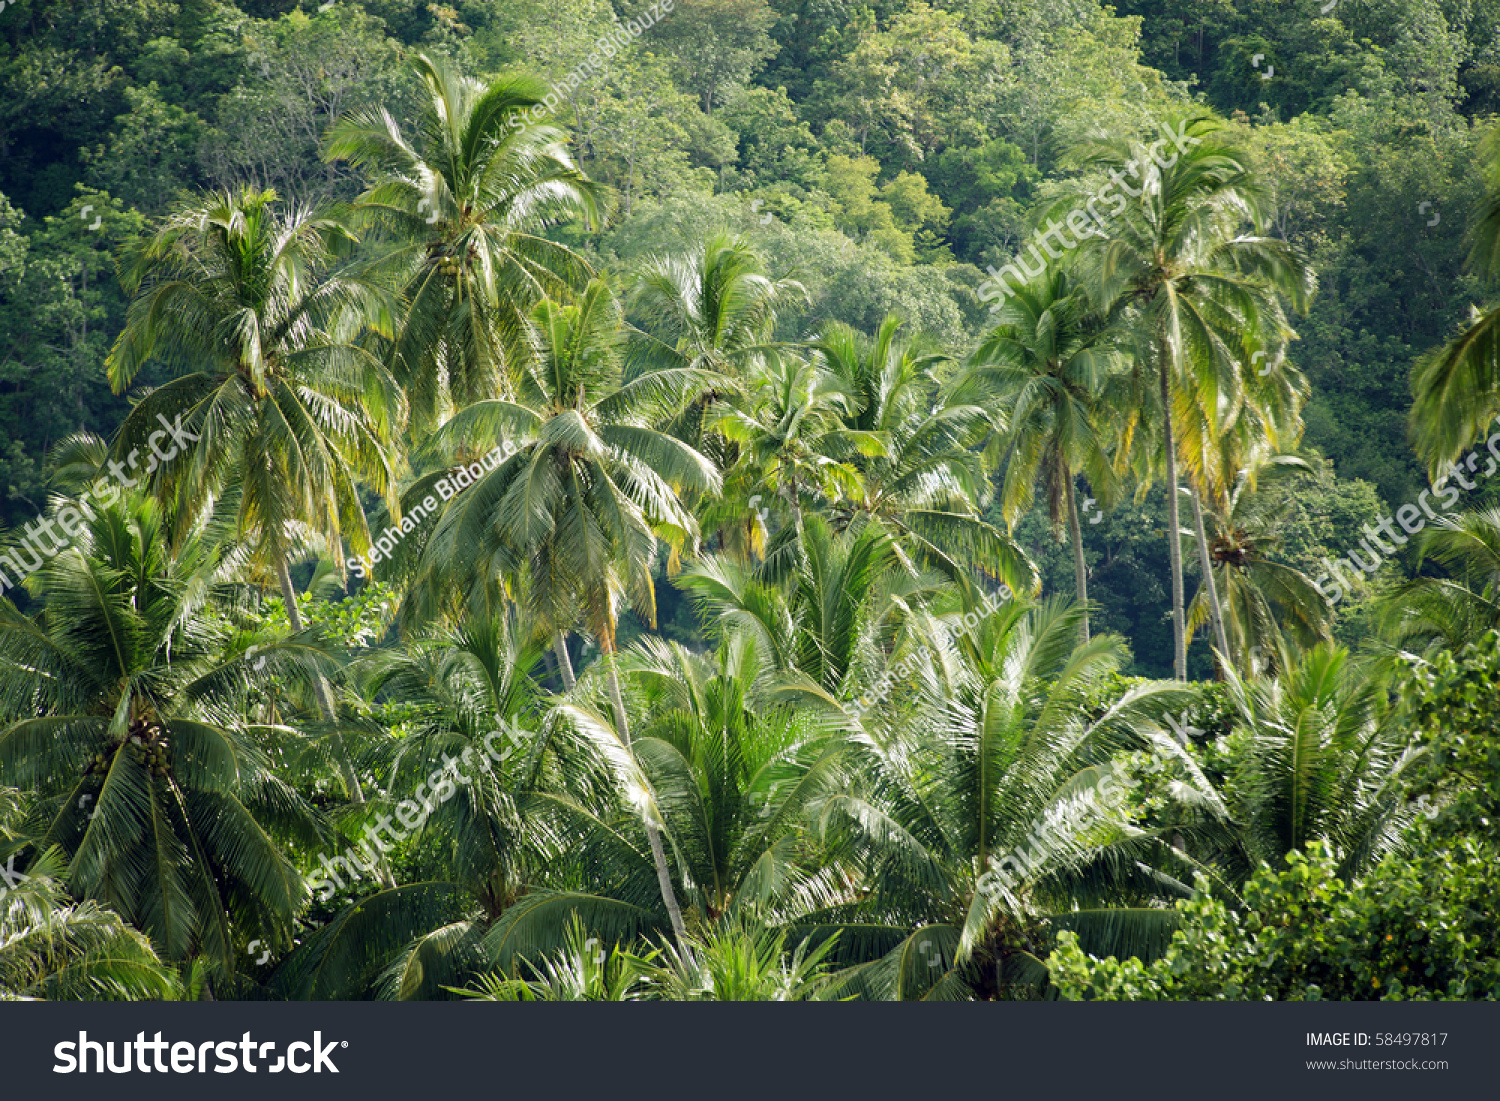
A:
1198,296
54,948
791,437
732,774
1264,602
465,199
712,311
580,970
979,813
283,410
736,961
920,477
471,782
1053,360
1448,613
578,508
120,720
727,771
711,315
818,619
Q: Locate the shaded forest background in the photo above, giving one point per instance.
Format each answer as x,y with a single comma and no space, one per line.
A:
882,154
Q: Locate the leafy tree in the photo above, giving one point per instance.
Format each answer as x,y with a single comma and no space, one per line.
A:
303,73
716,45
775,144
905,90
851,182
920,213
1411,932
62,306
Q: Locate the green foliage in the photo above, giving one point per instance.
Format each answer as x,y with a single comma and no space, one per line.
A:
1453,712
1415,930
699,311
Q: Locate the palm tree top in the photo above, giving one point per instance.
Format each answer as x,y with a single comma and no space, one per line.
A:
229,283
466,161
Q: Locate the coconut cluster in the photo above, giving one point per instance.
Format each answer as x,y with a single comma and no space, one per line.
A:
146,743
448,261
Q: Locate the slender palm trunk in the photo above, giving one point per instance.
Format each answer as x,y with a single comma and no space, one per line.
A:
797,510
1080,571
1207,565
294,617
1174,525
564,663
653,836
325,702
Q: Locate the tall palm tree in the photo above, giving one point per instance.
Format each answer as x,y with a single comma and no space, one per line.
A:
923,481
285,410
1265,602
1053,360
580,505
1198,297
711,314
119,718
790,434
713,311
465,199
